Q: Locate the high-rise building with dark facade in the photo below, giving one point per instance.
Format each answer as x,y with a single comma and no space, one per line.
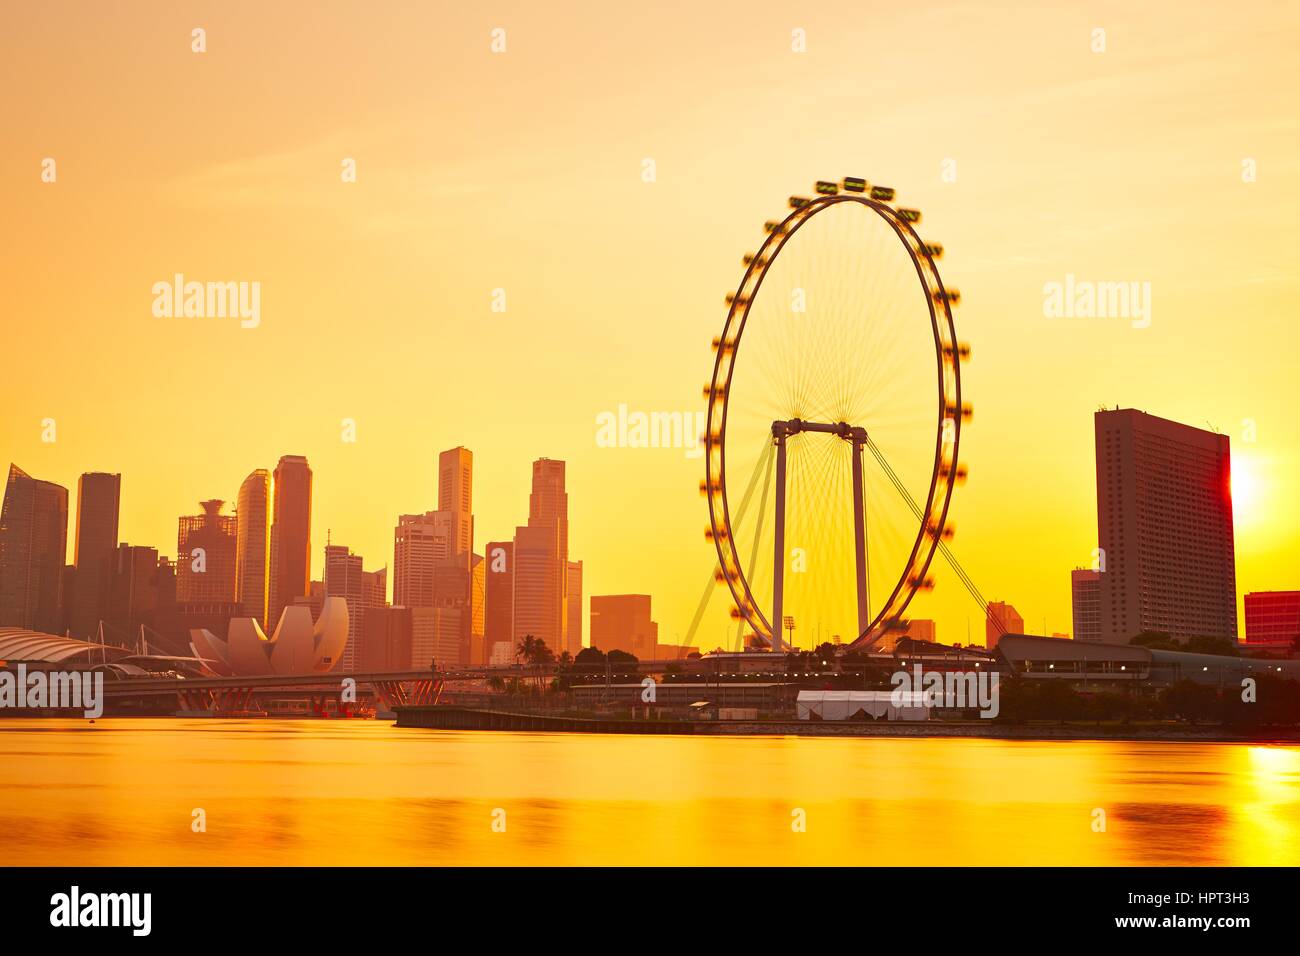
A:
1272,617
135,591
1164,523
253,546
499,602
33,549
99,498
205,556
1085,603
290,537
386,641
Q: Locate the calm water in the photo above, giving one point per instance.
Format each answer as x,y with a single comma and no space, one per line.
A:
365,792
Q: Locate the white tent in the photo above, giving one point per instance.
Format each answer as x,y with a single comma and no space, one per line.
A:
848,704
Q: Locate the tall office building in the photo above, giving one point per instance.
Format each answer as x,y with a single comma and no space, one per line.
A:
374,585
253,545
434,565
1001,619
573,595
290,536
33,549
476,618
1164,524
498,602
456,499
419,546
205,556
1272,617
345,577
621,622
436,636
99,497
134,593
538,602
1085,602
385,644
541,558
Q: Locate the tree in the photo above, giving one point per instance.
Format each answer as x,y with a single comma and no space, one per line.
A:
1190,701
1156,640
533,652
621,662
590,655
1221,646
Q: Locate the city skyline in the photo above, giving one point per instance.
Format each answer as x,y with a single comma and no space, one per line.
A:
374,264
448,539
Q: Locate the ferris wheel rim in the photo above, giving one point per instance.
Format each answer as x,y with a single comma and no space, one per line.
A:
950,408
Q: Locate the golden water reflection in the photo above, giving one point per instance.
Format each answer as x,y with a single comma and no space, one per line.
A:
365,792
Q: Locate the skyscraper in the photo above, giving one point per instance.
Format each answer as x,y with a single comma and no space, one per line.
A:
456,499
499,602
345,577
434,565
1085,601
33,548
253,546
573,587
134,595
541,560
386,641
98,500
375,587
419,546
1001,619
538,602
1164,524
205,556
290,536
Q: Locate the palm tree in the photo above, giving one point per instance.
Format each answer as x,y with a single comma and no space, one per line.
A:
533,652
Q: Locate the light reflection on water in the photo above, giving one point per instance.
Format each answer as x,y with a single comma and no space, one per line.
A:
364,792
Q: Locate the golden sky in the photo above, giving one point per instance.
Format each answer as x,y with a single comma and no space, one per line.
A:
522,171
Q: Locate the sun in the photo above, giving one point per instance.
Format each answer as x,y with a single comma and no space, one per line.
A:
1247,490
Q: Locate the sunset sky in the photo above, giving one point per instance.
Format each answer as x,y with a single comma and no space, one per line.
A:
522,171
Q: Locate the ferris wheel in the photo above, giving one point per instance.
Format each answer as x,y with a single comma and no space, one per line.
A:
832,436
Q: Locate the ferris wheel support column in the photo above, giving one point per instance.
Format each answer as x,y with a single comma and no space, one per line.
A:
778,544
859,438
